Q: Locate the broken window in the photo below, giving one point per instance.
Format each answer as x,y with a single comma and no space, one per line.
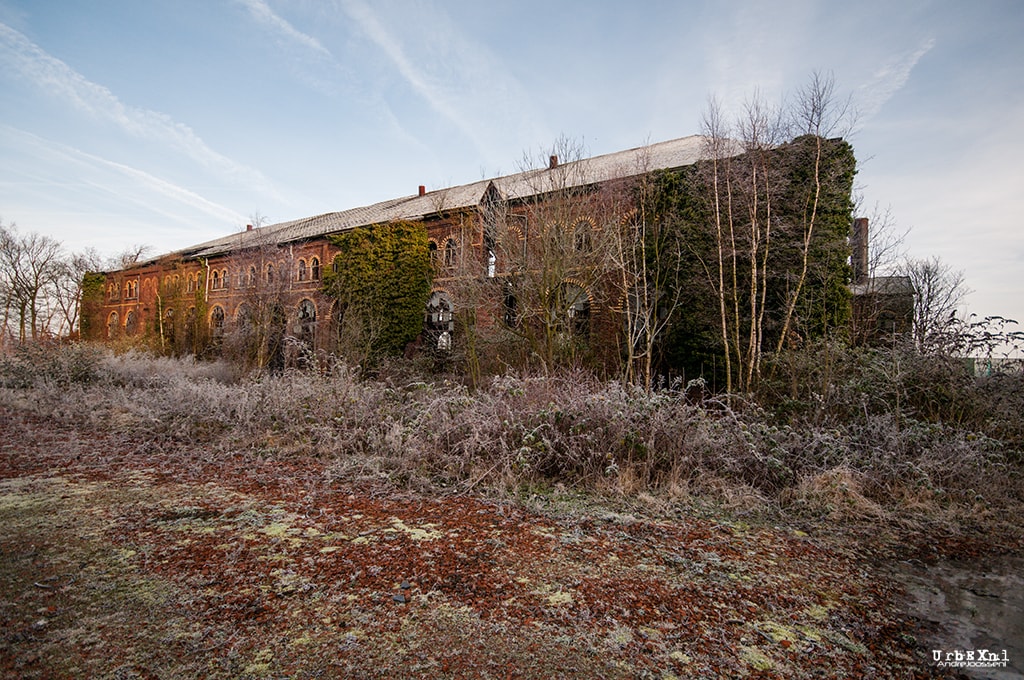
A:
217,323
451,253
131,323
581,236
572,310
440,320
306,331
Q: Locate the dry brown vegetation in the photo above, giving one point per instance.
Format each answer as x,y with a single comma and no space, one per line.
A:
171,519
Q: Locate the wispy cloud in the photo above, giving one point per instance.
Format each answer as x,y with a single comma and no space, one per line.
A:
262,12
459,79
65,156
392,48
23,57
311,62
889,79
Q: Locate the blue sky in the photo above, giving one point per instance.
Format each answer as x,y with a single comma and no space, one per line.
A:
171,122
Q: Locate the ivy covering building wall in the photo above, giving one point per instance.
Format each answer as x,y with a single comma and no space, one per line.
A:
765,208
380,280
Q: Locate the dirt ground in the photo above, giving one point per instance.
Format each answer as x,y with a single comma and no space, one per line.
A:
121,560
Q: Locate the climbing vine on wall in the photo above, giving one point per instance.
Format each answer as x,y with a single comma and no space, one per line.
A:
381,281
92,300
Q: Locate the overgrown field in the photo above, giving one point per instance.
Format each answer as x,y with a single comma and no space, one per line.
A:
848,453
166,518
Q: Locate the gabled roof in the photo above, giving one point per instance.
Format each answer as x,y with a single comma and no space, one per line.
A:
884,285
675,153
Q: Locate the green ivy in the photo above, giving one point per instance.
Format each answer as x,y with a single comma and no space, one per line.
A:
382,276
682,199
93,288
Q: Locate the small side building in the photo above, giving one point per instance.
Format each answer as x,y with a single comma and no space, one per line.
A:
883,306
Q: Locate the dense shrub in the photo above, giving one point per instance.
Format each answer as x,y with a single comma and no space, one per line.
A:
832,383
845,450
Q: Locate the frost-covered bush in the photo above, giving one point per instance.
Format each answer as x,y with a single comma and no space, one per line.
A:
839,454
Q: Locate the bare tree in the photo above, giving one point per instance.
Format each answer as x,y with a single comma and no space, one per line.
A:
939,292
646,254
887,249
467,282
775,206
264,273
68,287
819,114
31,265
744,190
555,249
130,256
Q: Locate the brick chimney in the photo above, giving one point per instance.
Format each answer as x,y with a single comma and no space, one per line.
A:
552,162
248,227
859,248
423,190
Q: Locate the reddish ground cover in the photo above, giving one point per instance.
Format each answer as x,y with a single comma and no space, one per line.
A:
121,560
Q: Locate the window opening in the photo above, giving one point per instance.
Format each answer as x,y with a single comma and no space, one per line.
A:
451,252
131,323
217,323
439,323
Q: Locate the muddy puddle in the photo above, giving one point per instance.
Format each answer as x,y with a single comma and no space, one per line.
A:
970,607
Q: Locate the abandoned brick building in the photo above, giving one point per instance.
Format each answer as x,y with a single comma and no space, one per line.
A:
188,301
216,279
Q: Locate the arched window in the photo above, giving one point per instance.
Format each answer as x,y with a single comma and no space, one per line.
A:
223,278
190,330
215,281
131,323
306,321
432,248
314,268
439,323
270,273
581,236
252,276
451,253
168,328
243,315
217,323
303,272
510,305
113,325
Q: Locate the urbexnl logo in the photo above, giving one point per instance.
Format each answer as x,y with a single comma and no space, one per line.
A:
970,658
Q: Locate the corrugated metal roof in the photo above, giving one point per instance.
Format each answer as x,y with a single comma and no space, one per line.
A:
675,153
